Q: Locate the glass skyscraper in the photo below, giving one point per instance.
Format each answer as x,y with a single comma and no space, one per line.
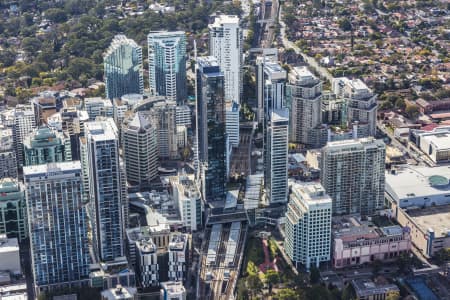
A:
167,64
57,224
212,138
123,68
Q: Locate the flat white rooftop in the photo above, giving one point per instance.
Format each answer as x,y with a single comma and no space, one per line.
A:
414,181
225,19
441,140
60,167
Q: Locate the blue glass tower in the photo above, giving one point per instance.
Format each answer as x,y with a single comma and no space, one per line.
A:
167,64
123,68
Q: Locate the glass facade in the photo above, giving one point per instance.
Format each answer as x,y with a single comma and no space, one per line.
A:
13,220
211,127
167,64
123,68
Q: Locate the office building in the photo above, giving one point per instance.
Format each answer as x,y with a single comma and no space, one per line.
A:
271,81
225,44
140,149
232,123
357,242
8,161
163,117
24,124
360,101
178,257
97,106
123,68
304,92
352,173
147,269
9,255
212,138
187,197
172,290
276,169
308,225
105,189
46,146
57,225
13,209
167,64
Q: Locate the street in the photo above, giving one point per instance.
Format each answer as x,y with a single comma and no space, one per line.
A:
311,61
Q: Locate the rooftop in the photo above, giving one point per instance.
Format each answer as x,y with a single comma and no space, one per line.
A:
173,287
434,218
8,244
348,145
101,130
119,293
351,229
366,287
280,115
440,139
311,193
119,41
178,242
165,34
418,181
220,20
146,246
53,168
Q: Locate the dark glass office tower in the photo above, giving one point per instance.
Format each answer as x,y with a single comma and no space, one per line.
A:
212,138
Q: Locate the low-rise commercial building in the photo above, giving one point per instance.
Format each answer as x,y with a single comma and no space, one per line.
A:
418,186
430,226
435,144
366,289
357,242
9,255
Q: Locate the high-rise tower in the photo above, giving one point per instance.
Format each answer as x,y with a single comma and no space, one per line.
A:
57,225
167,64
105,188
212,139
123,68
352,173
